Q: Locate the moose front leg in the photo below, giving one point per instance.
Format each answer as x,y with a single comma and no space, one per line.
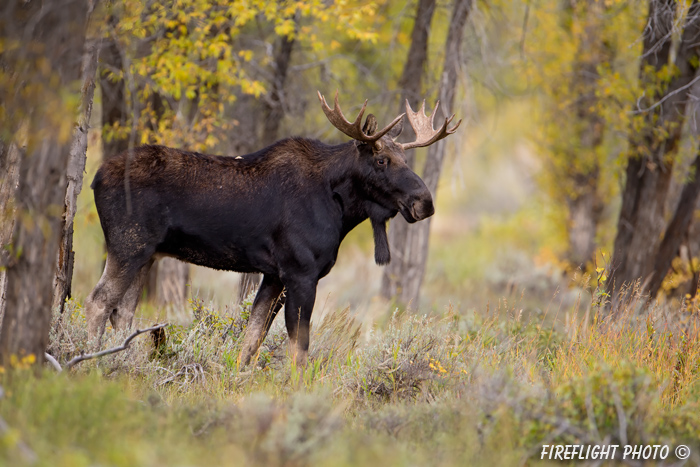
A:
297,315
267,303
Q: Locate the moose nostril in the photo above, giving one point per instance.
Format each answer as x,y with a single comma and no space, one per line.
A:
429,208
423,208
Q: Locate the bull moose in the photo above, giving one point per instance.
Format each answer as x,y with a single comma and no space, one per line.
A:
282,211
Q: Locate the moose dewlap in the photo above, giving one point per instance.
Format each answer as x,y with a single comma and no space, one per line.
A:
282,211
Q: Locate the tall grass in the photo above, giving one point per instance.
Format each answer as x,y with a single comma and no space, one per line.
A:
484,388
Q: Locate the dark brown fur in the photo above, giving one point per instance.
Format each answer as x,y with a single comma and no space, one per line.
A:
149,164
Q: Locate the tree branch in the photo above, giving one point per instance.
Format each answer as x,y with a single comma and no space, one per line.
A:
661,101
54,363
102,353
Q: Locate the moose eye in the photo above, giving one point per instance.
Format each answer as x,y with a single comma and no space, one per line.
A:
381,162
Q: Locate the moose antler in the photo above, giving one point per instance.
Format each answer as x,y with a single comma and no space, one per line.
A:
354,129
423,126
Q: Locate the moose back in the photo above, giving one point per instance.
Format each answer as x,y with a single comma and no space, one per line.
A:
282,211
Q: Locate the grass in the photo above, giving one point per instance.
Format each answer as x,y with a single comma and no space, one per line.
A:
479,388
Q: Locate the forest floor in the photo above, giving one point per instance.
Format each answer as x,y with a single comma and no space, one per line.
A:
451,388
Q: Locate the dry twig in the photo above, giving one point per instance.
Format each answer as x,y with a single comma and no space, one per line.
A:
54,363
102,353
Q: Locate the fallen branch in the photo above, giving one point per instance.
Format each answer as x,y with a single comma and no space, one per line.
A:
54,363
102,353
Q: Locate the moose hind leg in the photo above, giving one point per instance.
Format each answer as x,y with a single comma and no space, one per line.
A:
123,315
267,304
104,298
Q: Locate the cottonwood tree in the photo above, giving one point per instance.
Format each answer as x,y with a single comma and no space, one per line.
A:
576,60
40,90
572,126
113,93
645,244
75,169
9,176
198,59
407,278
584,197
411,89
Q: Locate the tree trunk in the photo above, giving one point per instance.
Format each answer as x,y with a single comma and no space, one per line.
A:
682,230
170,282
584,201
411,90
690,251
650,164
584,213
59,32
676,231
411,82
9,170
419,233
75,171
273,113
273,108
248,283
113,90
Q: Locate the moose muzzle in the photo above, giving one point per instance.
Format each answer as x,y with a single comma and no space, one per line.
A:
423,208
418,207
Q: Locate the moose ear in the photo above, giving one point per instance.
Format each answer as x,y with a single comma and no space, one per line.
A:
370,126
382,254
396,131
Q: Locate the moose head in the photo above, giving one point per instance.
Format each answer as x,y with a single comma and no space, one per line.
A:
387,179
